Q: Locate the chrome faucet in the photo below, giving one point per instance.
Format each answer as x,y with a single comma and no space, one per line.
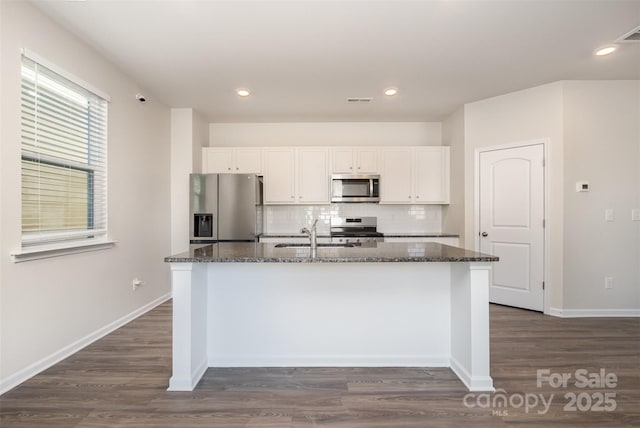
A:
312,235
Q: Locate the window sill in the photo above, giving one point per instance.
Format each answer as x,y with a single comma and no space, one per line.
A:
44,252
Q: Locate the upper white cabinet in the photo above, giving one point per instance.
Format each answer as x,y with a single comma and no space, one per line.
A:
312,171
220,160
296,175
300,175
354,160
414,175
396,176
279,175
431,175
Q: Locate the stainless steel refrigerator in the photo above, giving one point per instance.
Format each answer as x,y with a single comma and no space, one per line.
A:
224,207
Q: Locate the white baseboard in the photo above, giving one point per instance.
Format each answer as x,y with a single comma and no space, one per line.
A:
188,384
39,366
473,383
554,312
329,361
598,313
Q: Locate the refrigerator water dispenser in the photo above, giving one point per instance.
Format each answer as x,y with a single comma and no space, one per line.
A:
203,225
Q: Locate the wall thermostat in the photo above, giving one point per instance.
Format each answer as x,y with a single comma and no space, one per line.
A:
582,186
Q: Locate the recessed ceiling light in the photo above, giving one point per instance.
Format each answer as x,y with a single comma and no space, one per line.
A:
605,50
390,92
242,92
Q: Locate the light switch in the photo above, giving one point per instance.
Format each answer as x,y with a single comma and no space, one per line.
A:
635,214
609,215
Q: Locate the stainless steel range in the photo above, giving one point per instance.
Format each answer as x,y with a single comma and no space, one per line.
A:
355,230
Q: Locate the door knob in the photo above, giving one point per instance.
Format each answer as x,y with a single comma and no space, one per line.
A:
485,234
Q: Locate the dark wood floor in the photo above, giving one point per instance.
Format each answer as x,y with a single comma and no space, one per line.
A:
121,381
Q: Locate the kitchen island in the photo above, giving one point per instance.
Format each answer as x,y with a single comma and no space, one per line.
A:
392,304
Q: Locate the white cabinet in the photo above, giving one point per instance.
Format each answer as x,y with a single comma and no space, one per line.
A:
396,186
296,176
312,172
300,175
414,175
220,160
431,175
354,160
279,175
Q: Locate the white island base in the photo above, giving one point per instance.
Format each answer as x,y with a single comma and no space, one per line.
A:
329,315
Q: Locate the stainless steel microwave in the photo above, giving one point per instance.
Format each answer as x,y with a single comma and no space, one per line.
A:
355,188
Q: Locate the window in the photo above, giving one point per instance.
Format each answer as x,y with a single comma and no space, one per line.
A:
64,138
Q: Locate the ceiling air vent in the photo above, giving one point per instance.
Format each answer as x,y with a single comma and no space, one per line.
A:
631,36
359,100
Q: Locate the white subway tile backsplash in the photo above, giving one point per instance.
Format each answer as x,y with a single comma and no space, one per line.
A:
391,218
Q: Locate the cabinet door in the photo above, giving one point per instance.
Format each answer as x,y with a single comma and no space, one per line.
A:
217,160
367,161
342,160
248,161
395,176
431,174
279,176
313,175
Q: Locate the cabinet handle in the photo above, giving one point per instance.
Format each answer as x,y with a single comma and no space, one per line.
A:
350,167
237,168
409,197
229,169
292,197
417,197
358,167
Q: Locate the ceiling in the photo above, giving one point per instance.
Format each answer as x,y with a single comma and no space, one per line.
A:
303,59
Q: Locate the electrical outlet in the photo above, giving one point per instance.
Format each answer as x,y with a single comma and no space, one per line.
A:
135,283
635,214
608,282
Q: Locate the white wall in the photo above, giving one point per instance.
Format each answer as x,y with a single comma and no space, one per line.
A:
189,133
531,114
594,135
200,139
326,134
601,146
52,306
453,136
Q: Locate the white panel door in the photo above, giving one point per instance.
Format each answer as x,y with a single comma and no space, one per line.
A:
511,223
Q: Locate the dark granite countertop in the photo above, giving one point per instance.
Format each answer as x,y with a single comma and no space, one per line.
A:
420,235
289,235
249,252
388,235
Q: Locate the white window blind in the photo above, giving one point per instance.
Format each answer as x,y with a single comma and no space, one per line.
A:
64,177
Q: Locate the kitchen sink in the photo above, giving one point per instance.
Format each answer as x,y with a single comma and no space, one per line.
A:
303,245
